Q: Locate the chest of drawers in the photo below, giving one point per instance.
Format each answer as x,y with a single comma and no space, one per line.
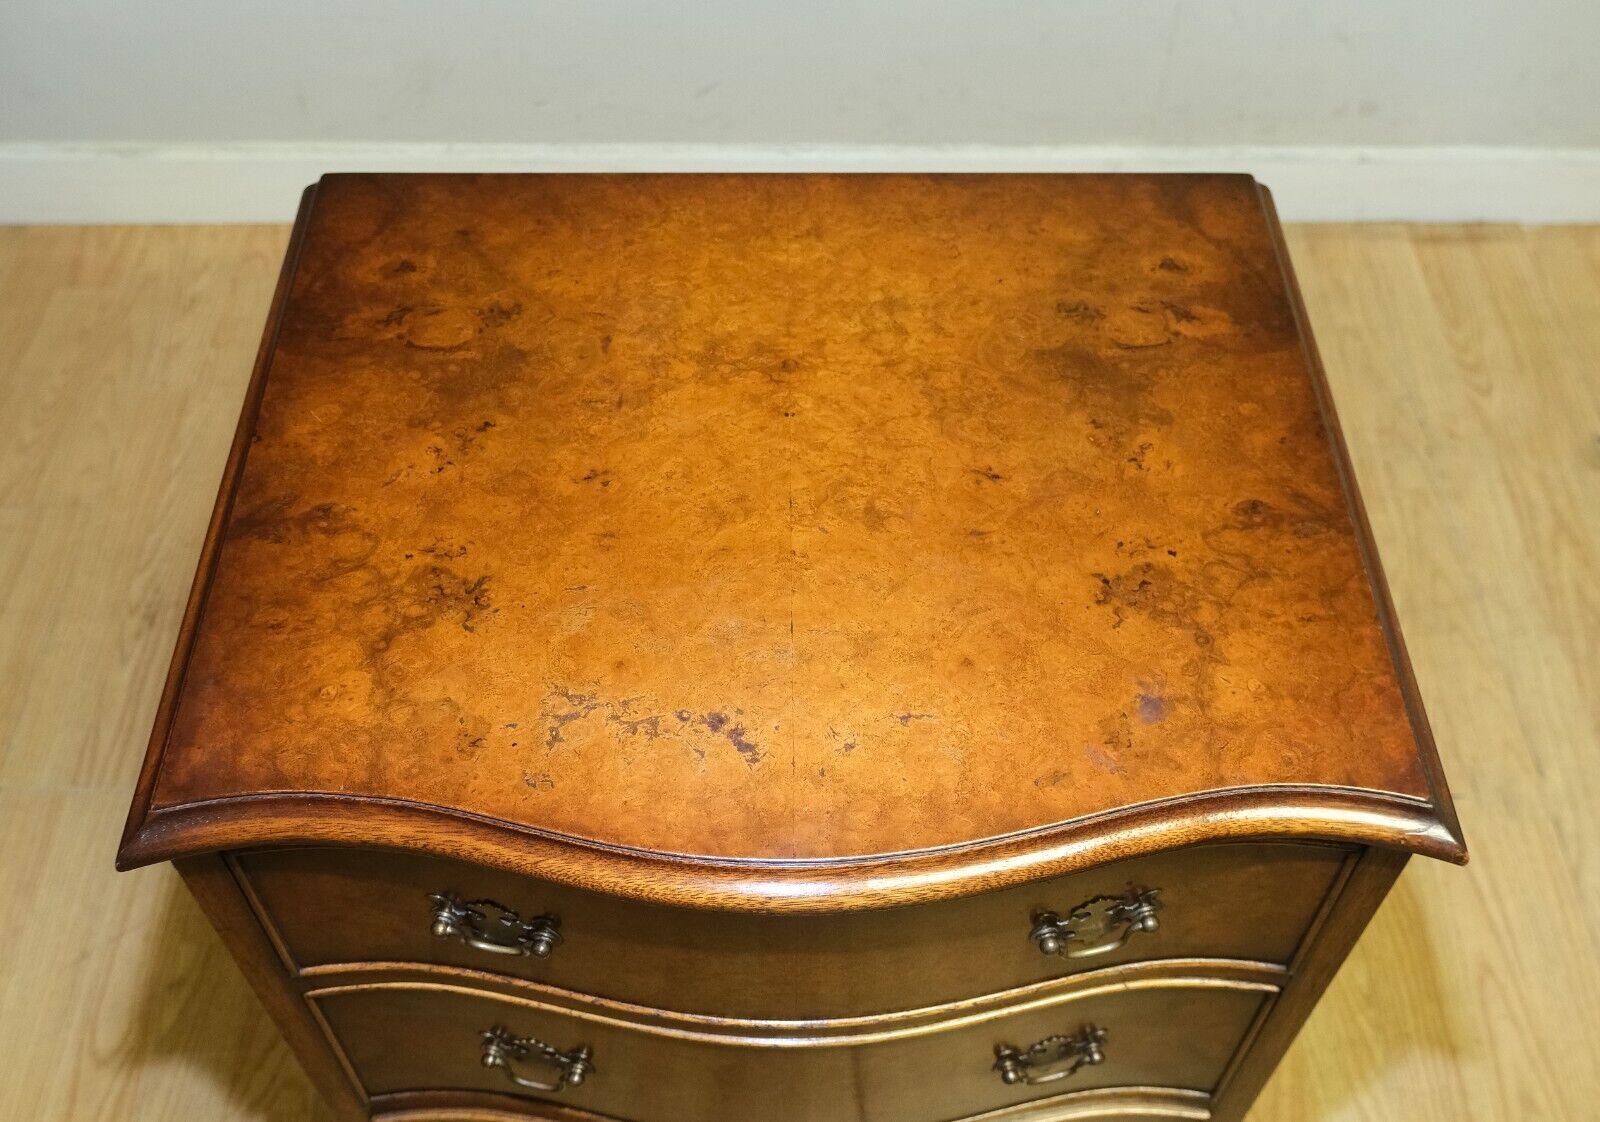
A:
891,648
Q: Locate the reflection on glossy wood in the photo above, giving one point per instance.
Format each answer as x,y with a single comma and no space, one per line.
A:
1459,358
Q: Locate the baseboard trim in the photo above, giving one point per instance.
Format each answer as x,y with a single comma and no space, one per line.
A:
260,182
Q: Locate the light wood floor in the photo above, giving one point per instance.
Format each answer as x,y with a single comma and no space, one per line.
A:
1466,362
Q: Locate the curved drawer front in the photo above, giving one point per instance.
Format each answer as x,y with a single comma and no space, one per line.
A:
1165,1039
333,907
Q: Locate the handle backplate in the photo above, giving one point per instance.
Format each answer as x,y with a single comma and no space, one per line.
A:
1040,1062
1097,926
487,926
507,1052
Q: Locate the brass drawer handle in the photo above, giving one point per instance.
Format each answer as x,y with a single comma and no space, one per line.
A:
1097,926
502,1050
1082,1049
486,926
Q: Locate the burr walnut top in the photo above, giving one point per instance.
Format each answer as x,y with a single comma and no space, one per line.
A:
955,522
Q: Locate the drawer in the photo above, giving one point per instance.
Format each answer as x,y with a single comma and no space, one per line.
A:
1169,1037
330,908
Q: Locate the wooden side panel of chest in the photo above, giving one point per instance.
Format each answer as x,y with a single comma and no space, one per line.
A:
401,1041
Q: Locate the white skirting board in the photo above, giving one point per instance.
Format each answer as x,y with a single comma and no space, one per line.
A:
261,182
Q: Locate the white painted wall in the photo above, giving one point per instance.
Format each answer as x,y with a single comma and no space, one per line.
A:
101,97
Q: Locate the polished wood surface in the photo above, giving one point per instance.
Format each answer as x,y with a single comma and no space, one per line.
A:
816,517
846,1032
1123,1104
1165,1032
1459,360
332,909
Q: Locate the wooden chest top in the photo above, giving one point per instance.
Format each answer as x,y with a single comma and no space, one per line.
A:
976,520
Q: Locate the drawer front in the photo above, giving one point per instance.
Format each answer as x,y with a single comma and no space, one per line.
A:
332,907
1179,1035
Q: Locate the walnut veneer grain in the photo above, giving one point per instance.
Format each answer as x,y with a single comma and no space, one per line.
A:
817,518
